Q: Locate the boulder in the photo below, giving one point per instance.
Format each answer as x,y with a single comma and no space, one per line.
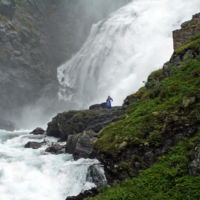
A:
97,106
38,131
56,149
81,145
34,145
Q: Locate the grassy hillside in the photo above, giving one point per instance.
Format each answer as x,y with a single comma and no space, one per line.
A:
163,105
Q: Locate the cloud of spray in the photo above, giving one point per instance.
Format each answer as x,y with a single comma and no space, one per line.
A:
122,50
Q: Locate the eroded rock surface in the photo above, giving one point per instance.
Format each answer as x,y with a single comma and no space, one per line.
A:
75,122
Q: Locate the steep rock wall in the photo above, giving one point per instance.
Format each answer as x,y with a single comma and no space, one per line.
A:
188,29
35,38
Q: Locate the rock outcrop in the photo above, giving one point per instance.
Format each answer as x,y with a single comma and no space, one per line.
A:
188,29
34,145
75,122
38,131
81,145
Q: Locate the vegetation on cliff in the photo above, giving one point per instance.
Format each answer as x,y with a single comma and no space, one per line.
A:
164,107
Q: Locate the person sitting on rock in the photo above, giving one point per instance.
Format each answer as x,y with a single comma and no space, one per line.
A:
108,102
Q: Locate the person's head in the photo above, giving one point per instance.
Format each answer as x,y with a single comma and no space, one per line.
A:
109,96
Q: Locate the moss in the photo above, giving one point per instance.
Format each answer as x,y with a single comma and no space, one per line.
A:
84,113
3,18
155,138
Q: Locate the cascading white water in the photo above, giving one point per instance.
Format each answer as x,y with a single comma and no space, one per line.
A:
27,174
122,50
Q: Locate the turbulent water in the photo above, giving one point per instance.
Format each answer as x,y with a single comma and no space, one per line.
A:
122,50
27,174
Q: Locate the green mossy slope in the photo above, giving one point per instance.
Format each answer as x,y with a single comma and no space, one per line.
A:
167,179
162,102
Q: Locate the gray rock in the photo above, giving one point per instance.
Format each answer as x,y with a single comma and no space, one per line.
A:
55,149
81,145
38,131
34,145
17,53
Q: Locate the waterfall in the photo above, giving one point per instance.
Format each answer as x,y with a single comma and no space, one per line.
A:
122,50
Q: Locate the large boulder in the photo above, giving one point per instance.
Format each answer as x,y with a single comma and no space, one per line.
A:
38,131
56,149
81,145
34,145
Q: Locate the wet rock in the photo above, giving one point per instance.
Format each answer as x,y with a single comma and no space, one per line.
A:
88,193
56,149
38,131
95,175
81,145
34,145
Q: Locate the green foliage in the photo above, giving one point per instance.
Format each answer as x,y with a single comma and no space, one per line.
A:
166,179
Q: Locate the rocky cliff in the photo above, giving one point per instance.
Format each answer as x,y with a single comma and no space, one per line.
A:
35,38
188,29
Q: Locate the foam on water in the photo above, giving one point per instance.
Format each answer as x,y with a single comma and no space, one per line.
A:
27,174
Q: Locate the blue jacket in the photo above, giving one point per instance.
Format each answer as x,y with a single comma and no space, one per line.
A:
108,103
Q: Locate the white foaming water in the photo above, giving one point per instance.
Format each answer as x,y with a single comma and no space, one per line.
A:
27,174
122,50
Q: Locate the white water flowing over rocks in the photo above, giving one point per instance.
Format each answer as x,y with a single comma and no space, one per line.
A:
27,174
122,50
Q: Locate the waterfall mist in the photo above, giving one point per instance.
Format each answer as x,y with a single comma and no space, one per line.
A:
122,50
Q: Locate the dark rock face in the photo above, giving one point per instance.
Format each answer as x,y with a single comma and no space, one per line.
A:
74,122
38,131
94,175
35,38
81,145
194,166
188,29
56,149
88,193
34,145
7,8
7,125
97,106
